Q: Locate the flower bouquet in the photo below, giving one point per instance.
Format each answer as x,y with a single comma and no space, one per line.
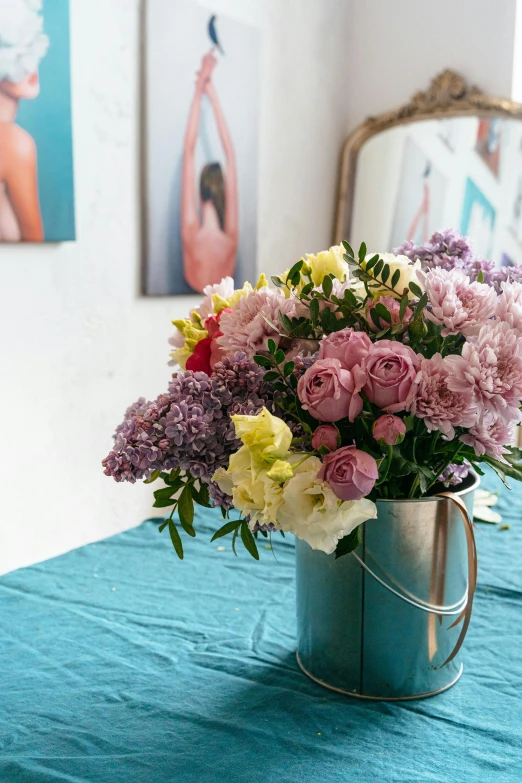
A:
360,386
356,377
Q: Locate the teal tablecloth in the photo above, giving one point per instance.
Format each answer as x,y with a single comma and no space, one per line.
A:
119,664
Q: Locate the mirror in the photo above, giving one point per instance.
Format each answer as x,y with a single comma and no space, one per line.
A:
451,158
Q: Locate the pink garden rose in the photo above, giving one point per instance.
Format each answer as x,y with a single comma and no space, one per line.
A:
329,392
348,346
350,472
435,403
325,435
457,304
392,370
393,306
390,429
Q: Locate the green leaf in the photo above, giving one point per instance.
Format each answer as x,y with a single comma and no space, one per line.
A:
480,277
271,346
263,361
249,541
395,277
327,286
202,496
296,269
163,525
348,248
236,533
374,315
288,368
186,506
349,297
362,251
176,539
153,476
512,470
271,376
415,289
165,493
280,356
403,306
278,282
164,503
226,529
385,273
371,263
378,268
383,312
307,289
314,311
349,543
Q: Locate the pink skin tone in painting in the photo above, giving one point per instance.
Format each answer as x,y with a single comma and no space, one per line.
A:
20,216
209,243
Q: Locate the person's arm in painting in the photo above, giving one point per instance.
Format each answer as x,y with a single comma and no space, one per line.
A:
231,205
21,181
189,210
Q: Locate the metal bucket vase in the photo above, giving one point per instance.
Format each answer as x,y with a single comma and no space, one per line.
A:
387,621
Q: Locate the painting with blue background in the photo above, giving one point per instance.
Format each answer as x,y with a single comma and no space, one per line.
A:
48,120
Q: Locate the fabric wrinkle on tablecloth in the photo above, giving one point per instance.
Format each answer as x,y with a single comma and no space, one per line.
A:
119,664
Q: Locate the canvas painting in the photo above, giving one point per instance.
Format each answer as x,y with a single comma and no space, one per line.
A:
420,197
36,155
202,122
478,219
488,144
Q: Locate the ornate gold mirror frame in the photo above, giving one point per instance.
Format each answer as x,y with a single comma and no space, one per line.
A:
448,96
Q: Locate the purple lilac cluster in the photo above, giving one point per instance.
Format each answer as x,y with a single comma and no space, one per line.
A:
450,250
188,427
455,474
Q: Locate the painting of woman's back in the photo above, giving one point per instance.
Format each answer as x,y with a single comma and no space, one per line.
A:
201,148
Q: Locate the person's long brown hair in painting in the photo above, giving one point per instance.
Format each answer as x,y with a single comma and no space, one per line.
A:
209,234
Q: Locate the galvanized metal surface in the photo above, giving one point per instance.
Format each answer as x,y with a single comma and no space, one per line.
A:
385,634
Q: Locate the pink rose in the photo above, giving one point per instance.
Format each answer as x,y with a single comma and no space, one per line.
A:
392,370
325,435
390,429
393,306
351,473
329,392
348,346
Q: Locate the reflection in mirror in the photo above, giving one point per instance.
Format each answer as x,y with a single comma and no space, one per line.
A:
460,172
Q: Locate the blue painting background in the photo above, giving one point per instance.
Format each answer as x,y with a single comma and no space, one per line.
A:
48,120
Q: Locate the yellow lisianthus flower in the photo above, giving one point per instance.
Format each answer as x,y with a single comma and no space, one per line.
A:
267,437
220,302
280,471
193,332
328,262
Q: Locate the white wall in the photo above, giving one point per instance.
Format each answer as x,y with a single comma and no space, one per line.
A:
396,47
77,343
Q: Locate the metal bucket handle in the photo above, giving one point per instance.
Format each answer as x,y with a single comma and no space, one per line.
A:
464,607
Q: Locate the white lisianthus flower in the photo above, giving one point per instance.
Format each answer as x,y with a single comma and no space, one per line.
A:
254,494
408,274
312,512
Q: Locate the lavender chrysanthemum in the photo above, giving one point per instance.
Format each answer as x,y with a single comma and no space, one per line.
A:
490,365
188,427
247,327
